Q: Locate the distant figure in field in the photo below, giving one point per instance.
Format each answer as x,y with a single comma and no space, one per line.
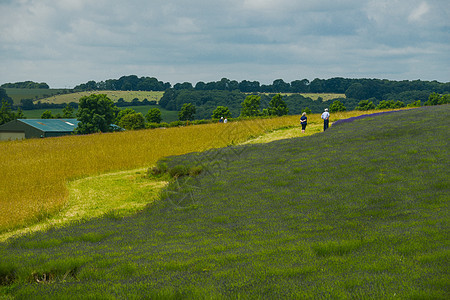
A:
225,120
221,120
326,119
304,122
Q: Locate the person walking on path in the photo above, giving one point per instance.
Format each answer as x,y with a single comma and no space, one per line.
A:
304,122
326,119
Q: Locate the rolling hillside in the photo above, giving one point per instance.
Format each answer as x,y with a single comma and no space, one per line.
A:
359,211
127,96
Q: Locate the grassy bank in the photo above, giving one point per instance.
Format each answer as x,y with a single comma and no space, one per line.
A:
360,211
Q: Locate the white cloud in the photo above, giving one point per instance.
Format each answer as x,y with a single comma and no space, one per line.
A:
418,13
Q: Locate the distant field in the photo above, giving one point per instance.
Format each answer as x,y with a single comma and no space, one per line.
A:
59,96
19,94
325,97
315,96
127,96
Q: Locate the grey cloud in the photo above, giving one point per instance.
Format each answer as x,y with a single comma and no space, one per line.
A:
207,40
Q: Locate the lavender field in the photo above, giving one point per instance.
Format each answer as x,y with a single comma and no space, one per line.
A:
359,211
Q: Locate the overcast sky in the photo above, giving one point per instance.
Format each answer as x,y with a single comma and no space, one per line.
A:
68,42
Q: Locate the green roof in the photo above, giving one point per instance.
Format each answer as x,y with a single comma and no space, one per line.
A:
48,125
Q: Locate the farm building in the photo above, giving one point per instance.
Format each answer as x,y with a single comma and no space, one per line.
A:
36,128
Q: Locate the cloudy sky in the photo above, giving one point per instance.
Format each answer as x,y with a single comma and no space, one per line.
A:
68,42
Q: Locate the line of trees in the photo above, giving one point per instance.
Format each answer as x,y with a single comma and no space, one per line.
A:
380,89
207,101
26,85
125,83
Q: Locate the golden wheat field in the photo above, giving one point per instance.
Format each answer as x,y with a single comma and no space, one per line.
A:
34,173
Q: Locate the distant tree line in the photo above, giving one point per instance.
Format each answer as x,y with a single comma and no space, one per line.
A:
135,102
29,104
26,85
360,89
206,101
125,83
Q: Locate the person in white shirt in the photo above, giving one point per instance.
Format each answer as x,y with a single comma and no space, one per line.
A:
326,118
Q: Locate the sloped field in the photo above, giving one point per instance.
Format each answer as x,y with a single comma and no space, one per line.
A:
360,211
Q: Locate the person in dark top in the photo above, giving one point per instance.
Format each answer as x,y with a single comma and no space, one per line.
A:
304,122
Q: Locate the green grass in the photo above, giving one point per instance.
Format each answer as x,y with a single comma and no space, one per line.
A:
359,211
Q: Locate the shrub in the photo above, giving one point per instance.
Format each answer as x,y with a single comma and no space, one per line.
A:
416,103
7,274
194,171
176,124
221,111
365,105
390,104
160,168
306,110
178,171
154,115
132,121
337,106
152,125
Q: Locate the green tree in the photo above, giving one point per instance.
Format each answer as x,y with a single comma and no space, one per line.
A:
19,114
433,99
96,113
436,99
365,105
187,112
68,111
306,110
445,99
4,96
416,103
337,106
250,106
6,113
122,113
47,115
384,104
277,106
221,111
390,104
153,115
132,121
356,91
